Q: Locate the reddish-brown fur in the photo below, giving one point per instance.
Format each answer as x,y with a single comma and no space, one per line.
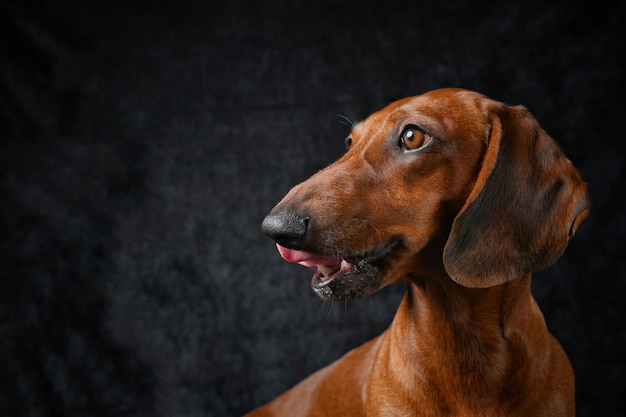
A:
489,200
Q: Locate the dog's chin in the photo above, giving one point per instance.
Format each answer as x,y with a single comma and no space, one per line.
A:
349,283
358,278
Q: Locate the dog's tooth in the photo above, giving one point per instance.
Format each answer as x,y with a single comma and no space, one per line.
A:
325,270
344,264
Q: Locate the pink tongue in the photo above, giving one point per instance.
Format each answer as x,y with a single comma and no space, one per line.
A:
305,258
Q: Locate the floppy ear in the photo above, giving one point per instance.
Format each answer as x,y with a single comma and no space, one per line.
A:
527,203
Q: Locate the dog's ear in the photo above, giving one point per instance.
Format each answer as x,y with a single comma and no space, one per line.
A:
527,203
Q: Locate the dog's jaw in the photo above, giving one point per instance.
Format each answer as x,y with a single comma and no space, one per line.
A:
350,283
348,277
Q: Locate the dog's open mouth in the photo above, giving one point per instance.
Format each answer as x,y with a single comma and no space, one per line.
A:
327,267
346,277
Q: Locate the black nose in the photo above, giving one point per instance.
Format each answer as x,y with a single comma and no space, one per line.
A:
286,227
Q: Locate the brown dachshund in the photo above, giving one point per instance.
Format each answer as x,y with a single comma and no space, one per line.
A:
463,197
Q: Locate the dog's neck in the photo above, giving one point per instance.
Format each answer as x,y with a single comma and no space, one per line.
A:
481,310
475,339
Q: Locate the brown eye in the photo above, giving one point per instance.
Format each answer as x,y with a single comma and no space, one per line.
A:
413,138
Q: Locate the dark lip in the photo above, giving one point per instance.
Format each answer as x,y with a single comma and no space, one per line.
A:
360,278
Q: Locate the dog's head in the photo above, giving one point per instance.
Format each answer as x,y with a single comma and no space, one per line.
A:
449,183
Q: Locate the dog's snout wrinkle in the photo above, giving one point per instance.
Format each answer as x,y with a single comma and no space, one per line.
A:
286,227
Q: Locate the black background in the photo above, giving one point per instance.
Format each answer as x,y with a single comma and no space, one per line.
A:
142,143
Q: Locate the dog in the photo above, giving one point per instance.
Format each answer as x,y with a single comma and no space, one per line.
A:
463,197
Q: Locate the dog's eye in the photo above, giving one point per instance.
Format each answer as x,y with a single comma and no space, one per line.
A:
348,142
413,138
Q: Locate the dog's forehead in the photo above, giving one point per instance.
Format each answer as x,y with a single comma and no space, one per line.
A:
442,112
450,107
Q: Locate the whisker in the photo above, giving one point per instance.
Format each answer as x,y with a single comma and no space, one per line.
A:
324,308
346,121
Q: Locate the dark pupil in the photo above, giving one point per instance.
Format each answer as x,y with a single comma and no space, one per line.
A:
409,135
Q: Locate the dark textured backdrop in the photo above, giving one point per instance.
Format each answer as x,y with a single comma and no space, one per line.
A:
142,142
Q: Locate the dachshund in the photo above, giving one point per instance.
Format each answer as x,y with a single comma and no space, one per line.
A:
462,197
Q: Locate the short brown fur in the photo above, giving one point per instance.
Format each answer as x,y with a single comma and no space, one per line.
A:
489,200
